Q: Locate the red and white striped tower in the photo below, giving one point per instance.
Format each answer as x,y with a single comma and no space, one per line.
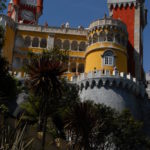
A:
134,15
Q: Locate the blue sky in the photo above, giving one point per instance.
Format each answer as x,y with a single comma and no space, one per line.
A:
82,12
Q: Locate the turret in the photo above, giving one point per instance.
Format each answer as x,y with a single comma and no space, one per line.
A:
134,15
107,46
25,11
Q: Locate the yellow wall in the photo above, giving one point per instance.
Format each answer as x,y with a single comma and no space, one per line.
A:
94,58
9,43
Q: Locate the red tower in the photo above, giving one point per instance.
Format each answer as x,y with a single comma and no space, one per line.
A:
134,15
25,11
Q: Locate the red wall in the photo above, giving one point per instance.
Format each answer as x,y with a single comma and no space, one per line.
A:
127,16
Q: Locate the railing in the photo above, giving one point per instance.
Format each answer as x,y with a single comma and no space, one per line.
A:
100,74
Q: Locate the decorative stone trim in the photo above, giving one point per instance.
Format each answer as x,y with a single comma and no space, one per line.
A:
120,3
108,23
97,80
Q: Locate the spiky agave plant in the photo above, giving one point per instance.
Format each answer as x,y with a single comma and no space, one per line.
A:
44,71
14,139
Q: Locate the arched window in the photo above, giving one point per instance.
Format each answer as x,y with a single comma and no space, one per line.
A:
73,67
95,38
110,37
74,45
19,41
58,43
35,42
66,45
117,38
90,40
102,36
81,68
82,46
43,43
123,40
27,41
108,58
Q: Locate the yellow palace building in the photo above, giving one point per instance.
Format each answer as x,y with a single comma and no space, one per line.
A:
105,59
101,46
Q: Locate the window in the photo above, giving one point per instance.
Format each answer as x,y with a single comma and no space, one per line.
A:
95,38
74,45
27,41
90,40
102,36
66,45
82,46
110,37
117,38
35,42
58,43
108,58
43,43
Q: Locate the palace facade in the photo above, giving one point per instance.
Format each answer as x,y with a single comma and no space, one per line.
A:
105,59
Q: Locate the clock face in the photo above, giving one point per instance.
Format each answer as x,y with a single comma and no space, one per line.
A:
29,2
27,15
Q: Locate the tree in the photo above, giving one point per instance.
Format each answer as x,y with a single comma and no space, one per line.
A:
56,112
44,71
80,122
8,85
129,133
2,5
97,127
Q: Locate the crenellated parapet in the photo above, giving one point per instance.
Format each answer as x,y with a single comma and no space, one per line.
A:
120,3
122,81
109,23
108,30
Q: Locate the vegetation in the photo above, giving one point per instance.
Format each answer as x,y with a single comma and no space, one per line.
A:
54,106
97,127
44,72
2,5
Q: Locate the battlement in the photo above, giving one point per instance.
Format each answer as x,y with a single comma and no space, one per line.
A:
120,3
119,80
108,22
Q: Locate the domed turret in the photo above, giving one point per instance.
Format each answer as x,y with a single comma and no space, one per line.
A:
107,46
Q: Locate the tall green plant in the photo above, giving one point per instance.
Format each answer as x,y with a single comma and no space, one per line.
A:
14,139
44,72
2,5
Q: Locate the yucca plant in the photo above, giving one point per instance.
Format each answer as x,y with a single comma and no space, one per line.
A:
44,71
14,139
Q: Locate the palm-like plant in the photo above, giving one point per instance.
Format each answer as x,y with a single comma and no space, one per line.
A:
14,139
81,121
44,71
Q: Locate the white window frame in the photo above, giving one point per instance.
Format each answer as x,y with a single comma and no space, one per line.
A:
108,60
